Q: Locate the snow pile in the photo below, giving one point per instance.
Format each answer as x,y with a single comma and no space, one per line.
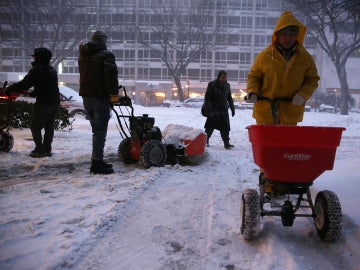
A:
176,134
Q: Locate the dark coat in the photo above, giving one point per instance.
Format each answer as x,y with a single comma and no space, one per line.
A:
217,102
43,78
98,71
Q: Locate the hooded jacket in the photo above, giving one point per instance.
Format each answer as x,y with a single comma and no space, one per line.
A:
98,71
272,76
43,78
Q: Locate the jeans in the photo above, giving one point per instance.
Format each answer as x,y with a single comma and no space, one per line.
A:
43,117
98,112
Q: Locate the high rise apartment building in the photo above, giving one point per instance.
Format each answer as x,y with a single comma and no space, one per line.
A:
246,29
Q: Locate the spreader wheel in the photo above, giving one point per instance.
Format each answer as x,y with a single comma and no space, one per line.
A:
124,152
250,214
6,142
153,153
328,220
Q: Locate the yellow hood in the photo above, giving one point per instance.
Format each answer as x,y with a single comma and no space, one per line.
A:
286,19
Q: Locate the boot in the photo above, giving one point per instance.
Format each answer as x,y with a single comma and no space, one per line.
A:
109,165
227,145
100,167
207,142
48,151
38,152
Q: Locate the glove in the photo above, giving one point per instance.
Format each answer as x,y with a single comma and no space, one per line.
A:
251,97
298,100
232,112
114,98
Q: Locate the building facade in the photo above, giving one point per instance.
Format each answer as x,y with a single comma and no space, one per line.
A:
246,29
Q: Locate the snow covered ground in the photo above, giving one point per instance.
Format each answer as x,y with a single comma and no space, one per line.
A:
55,215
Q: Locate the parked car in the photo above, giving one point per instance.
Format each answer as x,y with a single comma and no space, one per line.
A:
69,99
244,105
171,103
196,102
326,108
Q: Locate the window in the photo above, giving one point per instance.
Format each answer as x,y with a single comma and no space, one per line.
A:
245,58
260,40
260,22
193,74
155,73
233,57
245,40
233,75
246,22
243,76
143,73
233,39
220,57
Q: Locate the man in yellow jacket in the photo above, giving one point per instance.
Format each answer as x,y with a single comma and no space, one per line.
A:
283,70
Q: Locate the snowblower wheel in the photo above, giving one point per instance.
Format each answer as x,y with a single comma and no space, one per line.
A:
124,152
6,142
250,214
153,153
328,220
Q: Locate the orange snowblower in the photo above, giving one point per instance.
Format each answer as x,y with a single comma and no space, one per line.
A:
143,141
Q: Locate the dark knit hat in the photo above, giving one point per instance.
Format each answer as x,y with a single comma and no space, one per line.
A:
42,55
99,37
291,29
221,72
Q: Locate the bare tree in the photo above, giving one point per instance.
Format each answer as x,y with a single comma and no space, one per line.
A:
179,33
59,25
335,24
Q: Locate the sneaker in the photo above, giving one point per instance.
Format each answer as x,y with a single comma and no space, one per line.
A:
100,167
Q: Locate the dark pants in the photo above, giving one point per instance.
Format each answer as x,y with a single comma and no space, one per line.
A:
43,117
98,112
224,134
220,121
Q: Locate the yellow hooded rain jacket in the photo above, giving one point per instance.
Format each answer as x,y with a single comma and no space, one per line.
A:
272,76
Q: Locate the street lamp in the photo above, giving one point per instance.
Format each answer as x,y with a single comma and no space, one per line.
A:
188,88
336,103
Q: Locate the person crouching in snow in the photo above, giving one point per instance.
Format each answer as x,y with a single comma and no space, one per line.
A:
43,77
218,99
284,69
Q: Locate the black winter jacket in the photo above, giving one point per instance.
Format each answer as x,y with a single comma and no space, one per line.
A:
43,78
98,71
218,99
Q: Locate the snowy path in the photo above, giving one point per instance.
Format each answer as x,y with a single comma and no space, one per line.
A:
179,223
191,221
55,215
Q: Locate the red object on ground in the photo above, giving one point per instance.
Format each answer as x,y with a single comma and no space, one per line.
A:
294,154
135,149
196,146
